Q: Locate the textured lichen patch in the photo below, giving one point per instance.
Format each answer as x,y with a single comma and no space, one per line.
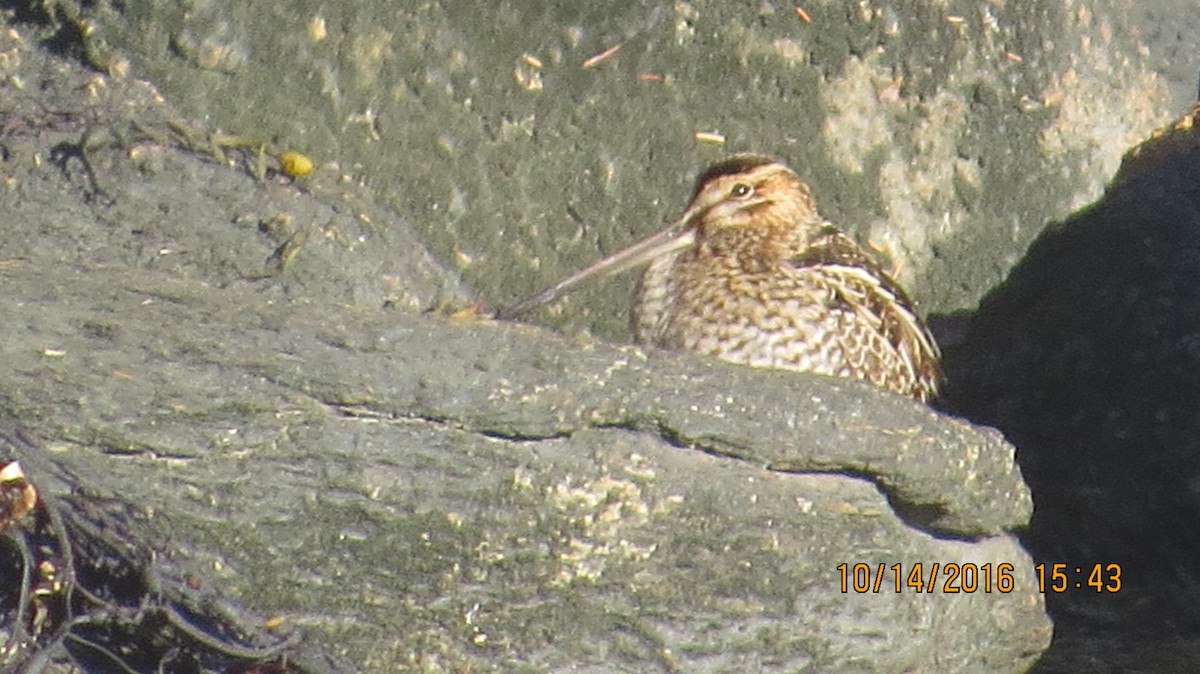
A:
1083,135
910,142
856,125
604,517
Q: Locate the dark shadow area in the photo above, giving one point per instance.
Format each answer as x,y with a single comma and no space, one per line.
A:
64,36
1088,359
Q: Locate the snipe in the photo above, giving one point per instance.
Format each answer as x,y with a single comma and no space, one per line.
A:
752,274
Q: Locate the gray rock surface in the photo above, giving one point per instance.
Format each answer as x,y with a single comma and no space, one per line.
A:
443,492
1170,29
421,492
415,490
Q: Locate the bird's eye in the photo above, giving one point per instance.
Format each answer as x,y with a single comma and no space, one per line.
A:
741,190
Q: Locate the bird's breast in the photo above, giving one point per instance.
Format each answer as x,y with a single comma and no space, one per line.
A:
763,317
806,318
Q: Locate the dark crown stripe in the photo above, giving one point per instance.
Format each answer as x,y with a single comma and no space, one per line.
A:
738,163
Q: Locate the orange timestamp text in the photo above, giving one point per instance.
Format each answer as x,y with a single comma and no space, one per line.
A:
949,578
952,578
1059,578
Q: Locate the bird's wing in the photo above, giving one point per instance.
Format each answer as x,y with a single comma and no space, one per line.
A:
863,287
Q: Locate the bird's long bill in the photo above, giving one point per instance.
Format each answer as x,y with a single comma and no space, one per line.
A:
676,237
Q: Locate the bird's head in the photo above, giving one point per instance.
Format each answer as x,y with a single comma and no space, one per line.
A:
748,197
747,204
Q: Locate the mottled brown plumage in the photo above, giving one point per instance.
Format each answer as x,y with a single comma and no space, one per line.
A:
752,274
